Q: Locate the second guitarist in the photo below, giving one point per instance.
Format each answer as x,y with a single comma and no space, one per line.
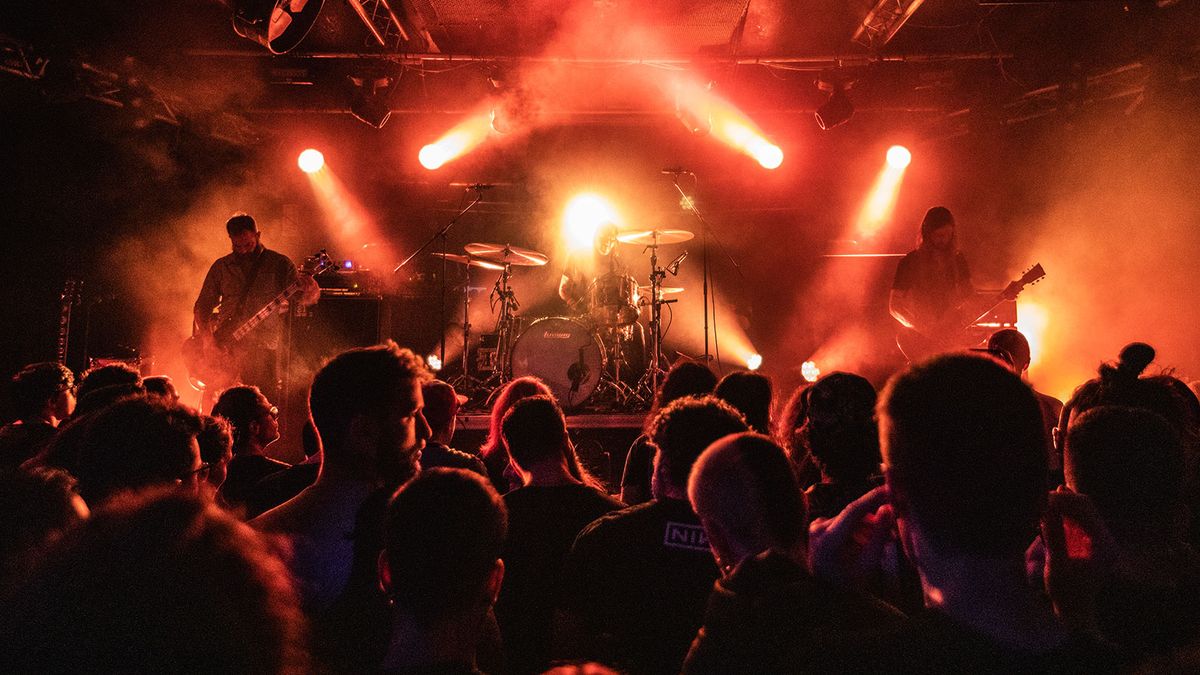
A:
933,280
236,286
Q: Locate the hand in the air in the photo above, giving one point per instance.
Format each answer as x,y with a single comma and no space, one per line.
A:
857,546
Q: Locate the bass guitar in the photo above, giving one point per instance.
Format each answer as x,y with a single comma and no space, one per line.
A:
956,332
214,355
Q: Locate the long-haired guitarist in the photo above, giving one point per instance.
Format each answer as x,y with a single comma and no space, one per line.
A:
236,287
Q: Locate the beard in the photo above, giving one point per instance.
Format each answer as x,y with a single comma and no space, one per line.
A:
396,464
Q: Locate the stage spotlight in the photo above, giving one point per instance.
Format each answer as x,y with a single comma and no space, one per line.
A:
767,155
899,157
467,135
279,26
583,215
810,371
837,110
311,161
433,156
754,361
434,363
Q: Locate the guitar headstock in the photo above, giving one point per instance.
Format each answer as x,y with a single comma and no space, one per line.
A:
1032,275
72,291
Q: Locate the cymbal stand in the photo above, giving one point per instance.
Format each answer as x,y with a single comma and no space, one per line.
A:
648,385
504,296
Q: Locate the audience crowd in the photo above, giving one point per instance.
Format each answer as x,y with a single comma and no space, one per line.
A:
955,520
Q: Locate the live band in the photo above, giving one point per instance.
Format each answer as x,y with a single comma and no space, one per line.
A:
605,350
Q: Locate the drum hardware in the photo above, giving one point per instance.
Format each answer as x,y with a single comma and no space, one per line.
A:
655,237
647,386
507,254
564,353
505,298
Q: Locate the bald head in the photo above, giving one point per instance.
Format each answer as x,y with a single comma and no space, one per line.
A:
747,497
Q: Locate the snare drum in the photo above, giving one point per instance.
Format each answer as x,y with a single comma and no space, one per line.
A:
613,300
563,353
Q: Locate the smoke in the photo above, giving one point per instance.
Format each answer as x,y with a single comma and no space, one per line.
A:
159,268
1118,236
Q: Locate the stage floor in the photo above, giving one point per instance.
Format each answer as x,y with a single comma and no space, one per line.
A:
602,440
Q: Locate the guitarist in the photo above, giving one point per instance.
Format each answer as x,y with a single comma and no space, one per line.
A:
238,285
932,282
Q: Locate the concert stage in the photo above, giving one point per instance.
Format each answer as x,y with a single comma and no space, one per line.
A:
601,439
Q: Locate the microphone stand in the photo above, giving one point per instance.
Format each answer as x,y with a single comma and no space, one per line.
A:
441,234
705,233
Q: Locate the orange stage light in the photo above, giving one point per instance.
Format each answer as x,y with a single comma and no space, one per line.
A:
311,161
876,211
899,156
583,214
463,138
810,371
728,124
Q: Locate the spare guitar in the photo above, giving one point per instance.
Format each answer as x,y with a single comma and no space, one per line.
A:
955,333
214,356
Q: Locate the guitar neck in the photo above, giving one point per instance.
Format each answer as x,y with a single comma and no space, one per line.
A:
267,310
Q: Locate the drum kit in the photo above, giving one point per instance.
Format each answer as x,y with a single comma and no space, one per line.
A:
597,356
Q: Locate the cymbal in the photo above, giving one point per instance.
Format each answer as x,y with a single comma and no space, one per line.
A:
507,254
665,290
468,260
652,237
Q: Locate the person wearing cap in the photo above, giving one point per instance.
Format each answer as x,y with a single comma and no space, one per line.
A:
441,410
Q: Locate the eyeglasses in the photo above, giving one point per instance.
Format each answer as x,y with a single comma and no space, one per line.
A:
200,474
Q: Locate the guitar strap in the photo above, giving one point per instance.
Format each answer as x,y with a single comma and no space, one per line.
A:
241,302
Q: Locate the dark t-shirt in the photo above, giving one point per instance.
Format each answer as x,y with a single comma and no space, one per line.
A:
20,441
637,581
771,616
280,486
225,284
435,455
935,283
931,642
542,524
244,473
639,471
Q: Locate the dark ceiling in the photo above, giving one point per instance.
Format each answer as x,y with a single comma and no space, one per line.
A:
950,63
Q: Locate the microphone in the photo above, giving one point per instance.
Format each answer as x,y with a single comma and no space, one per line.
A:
674,170
479,187
673,268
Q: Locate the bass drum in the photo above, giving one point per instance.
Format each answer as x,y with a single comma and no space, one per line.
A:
563,353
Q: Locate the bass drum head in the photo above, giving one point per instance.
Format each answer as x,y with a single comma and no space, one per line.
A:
563,353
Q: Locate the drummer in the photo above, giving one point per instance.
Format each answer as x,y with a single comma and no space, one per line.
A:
579,277
582,270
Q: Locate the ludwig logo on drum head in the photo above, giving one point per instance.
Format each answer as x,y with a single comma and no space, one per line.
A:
556,336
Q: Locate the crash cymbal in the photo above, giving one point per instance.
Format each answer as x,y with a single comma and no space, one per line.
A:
652,237
507,254
665,290
468,260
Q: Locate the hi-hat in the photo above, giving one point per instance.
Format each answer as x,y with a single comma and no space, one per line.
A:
652,237
468,260
507,254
